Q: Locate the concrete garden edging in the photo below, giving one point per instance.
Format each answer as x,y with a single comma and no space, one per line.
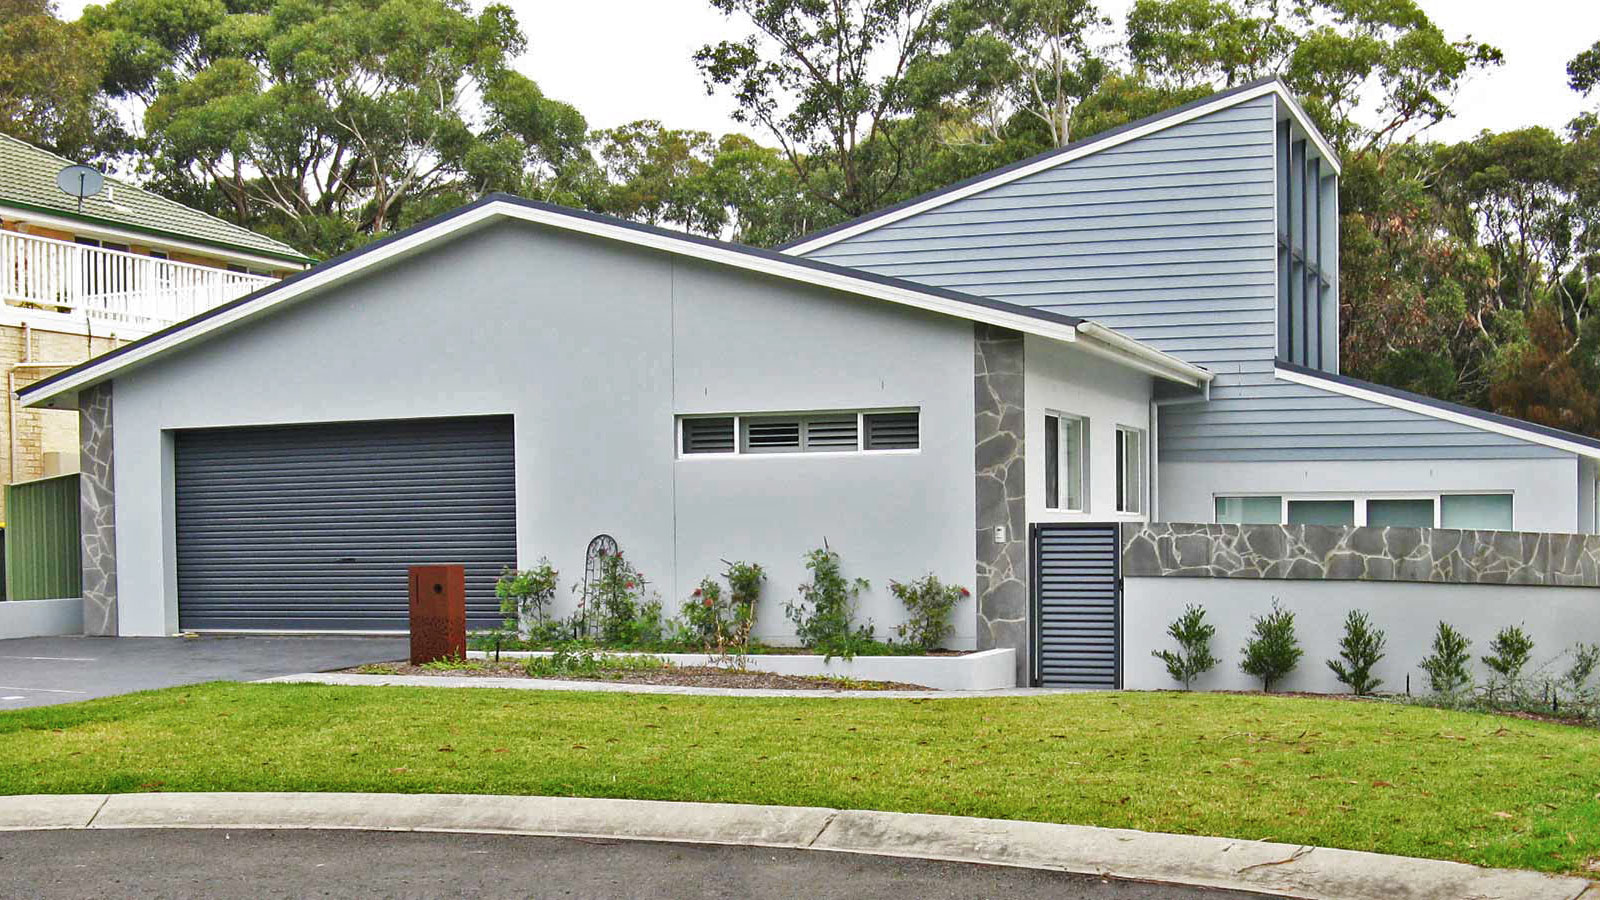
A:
41,618
985,670
1279,869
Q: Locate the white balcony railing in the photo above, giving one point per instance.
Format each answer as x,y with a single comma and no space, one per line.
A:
116,291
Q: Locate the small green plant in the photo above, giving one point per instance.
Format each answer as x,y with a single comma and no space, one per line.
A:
744,593
1359,650
585,660
928,605
824,616
378,669
1193,657
704,611
453,664
1585,660
620,611
1509,653
1447,664
1273,651
525,595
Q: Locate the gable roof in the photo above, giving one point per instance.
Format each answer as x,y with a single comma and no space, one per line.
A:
1088,336
1444,410
28,183
1061,155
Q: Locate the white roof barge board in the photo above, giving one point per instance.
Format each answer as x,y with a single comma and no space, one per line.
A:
60,391
1060,156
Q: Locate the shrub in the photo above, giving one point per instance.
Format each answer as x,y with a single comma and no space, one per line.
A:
582,659
1272,651
1508,654
524,596
1585,659
703,612
1447,665
744,593
1359,650
928,604
625,617
824,615
1193,657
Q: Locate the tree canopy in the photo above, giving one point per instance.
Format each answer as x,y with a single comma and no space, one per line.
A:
1468,270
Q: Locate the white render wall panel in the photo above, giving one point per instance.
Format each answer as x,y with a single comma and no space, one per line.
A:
1409,612
594,347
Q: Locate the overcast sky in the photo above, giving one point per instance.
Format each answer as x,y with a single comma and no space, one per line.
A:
622,60
639,65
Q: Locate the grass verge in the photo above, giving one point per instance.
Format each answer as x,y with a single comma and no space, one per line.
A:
1365,776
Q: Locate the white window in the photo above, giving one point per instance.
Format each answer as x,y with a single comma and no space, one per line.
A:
1130,469
790,433
1478,511
1066,462
1250,510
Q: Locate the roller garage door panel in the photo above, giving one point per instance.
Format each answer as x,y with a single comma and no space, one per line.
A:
311,527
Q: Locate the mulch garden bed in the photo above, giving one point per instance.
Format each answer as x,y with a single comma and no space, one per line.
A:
688,676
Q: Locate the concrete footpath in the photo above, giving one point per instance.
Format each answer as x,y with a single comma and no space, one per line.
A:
1278,869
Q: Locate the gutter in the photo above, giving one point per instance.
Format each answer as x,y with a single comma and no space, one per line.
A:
1153,361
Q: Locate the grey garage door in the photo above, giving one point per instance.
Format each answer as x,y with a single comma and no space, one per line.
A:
309,528
1078,606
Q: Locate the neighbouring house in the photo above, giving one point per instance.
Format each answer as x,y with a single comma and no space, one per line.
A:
1016,384
76,282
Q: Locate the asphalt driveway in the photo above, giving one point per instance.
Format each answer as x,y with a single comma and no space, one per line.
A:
46,670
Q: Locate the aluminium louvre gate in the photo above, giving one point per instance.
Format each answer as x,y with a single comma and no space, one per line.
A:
1077,606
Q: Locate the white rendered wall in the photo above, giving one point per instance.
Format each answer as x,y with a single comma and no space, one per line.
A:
1065,380
1409,612
1543,493
594,347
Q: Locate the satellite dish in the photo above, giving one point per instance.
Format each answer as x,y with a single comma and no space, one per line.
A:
80,182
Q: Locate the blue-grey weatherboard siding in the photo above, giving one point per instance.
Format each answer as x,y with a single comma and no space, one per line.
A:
1167,238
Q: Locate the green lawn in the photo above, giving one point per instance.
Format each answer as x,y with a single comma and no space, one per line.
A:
1367,776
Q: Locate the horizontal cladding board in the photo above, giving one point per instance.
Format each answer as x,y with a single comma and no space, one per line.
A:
314,527
1115,259
1356,454
1108,215
1065,244
1253,192
1035,283
1174,275
1246,440
1236,170
1046,226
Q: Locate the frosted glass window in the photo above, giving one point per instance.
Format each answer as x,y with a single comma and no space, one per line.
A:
1401,513
1249,510
1486,511
1322,512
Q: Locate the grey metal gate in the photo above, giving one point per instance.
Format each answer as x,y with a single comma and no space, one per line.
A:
1077,611
311,527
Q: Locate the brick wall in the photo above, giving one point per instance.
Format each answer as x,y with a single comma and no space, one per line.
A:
39,431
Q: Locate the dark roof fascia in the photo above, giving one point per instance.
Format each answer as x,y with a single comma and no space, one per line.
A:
1443,405
1072,147
856,274
154,232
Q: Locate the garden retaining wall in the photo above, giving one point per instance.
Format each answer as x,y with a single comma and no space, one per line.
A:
985,670
1407,579
41,618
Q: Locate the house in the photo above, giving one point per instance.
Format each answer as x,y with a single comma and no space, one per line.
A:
76,281
987,383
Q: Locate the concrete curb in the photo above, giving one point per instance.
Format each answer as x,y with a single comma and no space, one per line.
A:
1283,869
348,679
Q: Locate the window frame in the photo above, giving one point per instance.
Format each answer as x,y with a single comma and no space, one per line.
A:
1084,467
1121,476
1361,501
739,452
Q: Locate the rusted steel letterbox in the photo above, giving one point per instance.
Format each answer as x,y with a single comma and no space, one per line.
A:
438,613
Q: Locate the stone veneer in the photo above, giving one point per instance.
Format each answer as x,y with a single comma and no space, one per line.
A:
1002,577
96,511
1323,552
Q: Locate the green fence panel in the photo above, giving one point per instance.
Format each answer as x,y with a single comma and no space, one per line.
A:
42,539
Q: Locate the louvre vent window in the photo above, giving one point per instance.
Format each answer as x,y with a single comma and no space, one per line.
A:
821,432
708,435
771,435
892,431
832,433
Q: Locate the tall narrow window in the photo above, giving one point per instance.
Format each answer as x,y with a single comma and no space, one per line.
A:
1066,463
1130,470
